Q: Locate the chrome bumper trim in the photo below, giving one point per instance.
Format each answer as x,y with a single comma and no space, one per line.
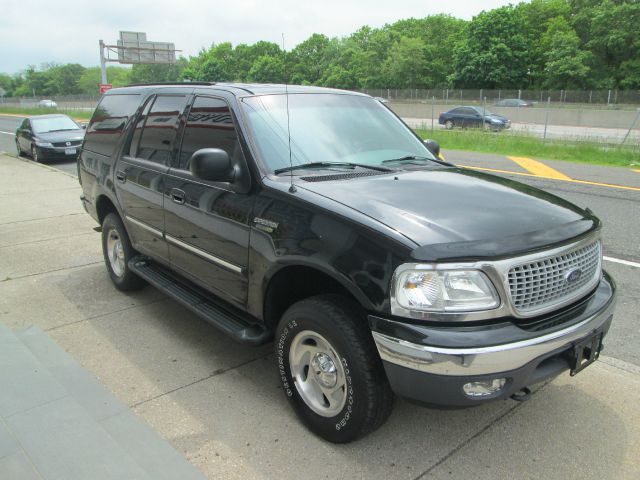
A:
484,360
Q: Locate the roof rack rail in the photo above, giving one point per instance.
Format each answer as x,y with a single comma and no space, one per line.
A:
168,83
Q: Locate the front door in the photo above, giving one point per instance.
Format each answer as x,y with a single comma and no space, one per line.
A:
140,173
207,223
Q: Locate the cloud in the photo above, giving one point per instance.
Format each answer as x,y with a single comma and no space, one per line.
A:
34,32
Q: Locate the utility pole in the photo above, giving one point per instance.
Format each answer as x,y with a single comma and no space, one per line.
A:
103,64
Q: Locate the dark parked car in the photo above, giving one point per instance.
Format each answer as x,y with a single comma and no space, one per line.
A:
513,102
320,221
47,137
469,117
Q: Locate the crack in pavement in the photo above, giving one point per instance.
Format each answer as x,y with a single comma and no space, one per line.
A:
487,427
42,218
50,271
45,240
100,315
217,372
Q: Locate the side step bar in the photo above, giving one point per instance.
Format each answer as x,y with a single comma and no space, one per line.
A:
224,318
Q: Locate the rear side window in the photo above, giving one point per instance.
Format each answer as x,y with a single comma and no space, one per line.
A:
109,121
209,125
160,128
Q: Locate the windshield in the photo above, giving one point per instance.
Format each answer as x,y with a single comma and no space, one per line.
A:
328,128
51,124
484,111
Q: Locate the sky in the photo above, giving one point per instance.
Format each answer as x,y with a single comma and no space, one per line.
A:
67,31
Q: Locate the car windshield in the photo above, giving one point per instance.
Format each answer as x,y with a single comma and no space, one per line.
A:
484,111
53,124
328,128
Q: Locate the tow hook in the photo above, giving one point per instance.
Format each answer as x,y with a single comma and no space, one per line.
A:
522,395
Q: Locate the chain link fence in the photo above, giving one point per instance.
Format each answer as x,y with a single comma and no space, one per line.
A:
569,98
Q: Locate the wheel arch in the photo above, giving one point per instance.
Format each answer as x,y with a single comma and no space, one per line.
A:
291,283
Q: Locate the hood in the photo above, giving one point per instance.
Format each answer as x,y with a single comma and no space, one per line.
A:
497,117
456,213
63,136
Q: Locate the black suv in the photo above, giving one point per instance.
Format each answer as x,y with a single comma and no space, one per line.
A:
317,219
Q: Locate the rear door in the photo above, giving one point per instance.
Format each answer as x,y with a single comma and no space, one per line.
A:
140,173
207,223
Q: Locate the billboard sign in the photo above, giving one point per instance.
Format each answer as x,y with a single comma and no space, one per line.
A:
133,47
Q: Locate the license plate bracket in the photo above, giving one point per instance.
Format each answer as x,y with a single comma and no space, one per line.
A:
585,352
70,151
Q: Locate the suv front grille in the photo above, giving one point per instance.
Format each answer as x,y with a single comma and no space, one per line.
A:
556,280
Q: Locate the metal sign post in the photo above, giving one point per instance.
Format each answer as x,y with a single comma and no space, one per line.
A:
133,48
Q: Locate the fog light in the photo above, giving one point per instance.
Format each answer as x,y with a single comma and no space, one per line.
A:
484,387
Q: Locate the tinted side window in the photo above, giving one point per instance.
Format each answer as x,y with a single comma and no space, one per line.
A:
209,125
109,121
468,111
137,130
161,127
25,124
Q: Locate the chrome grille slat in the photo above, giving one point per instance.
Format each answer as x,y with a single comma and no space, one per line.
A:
541,283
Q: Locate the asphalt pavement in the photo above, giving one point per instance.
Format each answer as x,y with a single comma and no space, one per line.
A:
219,403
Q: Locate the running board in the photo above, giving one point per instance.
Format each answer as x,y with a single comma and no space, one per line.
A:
199,302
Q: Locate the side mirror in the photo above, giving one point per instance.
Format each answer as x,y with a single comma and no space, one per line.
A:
212,164
433,147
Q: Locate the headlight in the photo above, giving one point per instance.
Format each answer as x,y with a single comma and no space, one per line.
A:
444,290
43,144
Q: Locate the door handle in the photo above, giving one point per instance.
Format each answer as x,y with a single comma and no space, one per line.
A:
121,176
177,196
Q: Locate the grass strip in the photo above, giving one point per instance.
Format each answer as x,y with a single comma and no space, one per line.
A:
78,114
526,145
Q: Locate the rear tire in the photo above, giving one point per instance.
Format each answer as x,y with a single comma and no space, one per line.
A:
117,251
330,369
448,125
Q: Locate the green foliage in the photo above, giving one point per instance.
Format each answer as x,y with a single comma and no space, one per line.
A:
555,44
518,143
495,51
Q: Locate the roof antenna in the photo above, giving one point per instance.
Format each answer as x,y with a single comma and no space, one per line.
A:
292,187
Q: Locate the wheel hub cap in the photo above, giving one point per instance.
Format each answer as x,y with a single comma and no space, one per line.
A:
317,373
324,370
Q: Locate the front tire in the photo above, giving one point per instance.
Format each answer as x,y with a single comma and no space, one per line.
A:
117,251
330,369
34,154
448,125
18,148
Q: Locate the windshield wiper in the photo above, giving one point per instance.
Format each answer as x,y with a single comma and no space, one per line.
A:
61,130
312,165
409,158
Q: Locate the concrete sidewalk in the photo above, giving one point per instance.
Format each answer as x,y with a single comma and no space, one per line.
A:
219,403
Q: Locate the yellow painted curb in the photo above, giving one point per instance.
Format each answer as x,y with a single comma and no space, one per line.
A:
583,182
539,169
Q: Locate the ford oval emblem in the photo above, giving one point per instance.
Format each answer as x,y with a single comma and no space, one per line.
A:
573,276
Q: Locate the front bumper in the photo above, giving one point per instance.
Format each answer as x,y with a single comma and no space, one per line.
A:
431,364
58,153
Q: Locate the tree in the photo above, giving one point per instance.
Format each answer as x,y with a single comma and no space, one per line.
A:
312,57
565,64
267,69
161,72
406,65
91,78
495,51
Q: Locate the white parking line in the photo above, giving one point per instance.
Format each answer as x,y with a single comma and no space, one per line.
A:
8,133
623,262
